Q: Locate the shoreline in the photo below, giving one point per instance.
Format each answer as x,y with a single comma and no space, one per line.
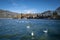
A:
32,18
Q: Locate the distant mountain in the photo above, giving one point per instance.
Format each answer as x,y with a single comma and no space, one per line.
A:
50,13
46,14
58,10
7,14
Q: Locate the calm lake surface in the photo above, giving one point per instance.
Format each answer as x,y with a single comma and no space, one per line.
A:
29,29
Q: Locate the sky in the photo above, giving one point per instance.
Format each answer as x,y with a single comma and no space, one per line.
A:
29,6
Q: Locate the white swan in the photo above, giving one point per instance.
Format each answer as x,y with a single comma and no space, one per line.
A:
28,27
45,31
32,34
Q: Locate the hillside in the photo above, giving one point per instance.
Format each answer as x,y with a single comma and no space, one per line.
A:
46,14
7,14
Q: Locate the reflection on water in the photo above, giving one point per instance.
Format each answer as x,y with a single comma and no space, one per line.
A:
31,29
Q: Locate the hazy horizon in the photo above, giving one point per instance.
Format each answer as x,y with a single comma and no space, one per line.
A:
29,6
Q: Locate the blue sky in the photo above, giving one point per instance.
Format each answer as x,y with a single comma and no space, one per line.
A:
27,6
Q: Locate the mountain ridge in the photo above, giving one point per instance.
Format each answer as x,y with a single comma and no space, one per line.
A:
9,14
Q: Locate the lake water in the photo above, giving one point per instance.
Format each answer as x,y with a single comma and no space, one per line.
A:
29,29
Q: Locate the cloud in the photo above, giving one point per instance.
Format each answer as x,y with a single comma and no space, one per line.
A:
18,5
14,3
23,8
30,11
